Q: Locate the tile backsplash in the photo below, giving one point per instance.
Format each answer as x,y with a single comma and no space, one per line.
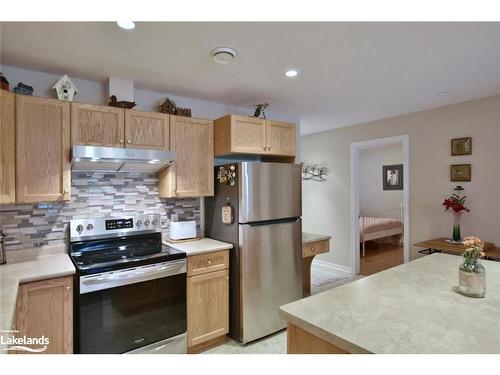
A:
93,195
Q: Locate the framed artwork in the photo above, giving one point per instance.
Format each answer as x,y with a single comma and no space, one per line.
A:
460,172
392,177
461,146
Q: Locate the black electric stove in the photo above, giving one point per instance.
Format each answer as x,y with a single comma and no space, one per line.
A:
131,289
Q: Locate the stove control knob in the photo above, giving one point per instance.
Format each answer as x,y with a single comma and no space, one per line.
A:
155,222
90,227
79,228
138,223
146,222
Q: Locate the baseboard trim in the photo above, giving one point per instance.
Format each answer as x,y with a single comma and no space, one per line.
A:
328,266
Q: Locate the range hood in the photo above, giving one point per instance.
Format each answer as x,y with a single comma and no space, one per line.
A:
117,159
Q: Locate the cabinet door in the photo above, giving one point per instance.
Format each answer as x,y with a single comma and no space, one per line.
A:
280,138
207,307
43,149
248,135
146,130
95,125
192,173
7,147
46,308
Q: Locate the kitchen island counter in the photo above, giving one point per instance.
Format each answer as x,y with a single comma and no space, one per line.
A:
412,308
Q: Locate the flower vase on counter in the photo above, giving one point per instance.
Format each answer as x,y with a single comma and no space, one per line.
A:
472,274
456,203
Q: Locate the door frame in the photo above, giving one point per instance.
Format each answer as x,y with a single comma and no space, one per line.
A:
356,147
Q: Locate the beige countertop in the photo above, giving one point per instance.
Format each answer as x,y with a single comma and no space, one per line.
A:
26,266
412,308
204,245
311,237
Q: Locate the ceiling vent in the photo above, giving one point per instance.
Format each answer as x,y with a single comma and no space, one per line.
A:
223,55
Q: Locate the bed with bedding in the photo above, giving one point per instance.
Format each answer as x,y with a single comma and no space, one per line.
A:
375,224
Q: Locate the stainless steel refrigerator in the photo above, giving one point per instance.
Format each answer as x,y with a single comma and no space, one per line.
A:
266,232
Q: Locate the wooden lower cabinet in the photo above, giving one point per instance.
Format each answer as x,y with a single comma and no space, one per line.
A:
207,309
46,308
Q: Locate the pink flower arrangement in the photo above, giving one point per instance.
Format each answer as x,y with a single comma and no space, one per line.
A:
473,251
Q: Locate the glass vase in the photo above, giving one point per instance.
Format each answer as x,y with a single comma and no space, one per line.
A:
472,279
456,236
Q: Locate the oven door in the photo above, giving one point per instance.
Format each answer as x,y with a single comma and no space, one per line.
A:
124,310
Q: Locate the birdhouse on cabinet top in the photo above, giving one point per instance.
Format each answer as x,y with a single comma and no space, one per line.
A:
65,88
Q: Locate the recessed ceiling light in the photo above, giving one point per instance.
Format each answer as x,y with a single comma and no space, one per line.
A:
291,73
127,25
444,93
223,55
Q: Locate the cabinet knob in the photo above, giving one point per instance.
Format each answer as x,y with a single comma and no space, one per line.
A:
269,148
65,192
121,141
312,248
227,277
129,141
68,288
209,262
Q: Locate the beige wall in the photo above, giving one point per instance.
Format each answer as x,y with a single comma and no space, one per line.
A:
327,206
372,196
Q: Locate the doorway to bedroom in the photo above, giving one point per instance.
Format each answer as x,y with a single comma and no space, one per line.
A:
380,197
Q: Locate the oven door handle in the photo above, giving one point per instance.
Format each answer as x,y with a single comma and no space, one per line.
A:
128,276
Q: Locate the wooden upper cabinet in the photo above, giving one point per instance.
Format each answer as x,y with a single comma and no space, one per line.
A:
7,147
240,134
250,135
280,138
42,149
146,130
95,125
46,308
207,307
192,173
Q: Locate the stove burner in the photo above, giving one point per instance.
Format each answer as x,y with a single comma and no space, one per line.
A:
94,256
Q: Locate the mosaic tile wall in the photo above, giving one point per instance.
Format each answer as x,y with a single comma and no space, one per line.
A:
93,195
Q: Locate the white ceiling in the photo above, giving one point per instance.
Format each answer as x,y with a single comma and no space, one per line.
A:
349,72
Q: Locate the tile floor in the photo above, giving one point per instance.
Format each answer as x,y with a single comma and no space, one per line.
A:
321,280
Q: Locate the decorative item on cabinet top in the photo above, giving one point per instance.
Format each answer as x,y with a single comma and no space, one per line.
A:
260,109
4,84
113,102
314,172
23,89
65,89
168,106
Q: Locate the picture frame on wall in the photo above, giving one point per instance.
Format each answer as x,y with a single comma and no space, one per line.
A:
460,172
392,177
461,146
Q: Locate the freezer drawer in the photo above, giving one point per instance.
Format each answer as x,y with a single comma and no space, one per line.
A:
269,191
270,275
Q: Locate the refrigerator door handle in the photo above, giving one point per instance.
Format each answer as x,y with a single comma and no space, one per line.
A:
272,222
